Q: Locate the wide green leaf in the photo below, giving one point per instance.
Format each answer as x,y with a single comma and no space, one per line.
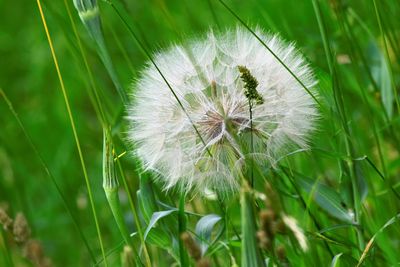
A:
381,75
251,254
327,198
204,228
155,218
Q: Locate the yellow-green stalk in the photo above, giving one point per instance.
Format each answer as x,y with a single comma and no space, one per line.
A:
88,11
110,186
127,257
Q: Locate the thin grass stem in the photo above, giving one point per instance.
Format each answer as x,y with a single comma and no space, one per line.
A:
183,256
135,214
72,122
97,103
387,57
339,101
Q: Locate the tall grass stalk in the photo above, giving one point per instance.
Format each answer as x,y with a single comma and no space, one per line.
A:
183,256
72,122
339,101
387,57
347,31
111,185
135,214
89,13
97,103
353,15
251,254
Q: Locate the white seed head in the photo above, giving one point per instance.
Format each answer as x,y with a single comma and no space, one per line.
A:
205,77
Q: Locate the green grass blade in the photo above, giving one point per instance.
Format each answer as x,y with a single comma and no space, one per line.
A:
183,256
135,214
372,240
72,122
88,11
111,185
251,255
340,106
96,102
386,50
204,228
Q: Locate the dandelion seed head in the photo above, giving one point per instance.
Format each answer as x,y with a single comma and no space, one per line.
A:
207,78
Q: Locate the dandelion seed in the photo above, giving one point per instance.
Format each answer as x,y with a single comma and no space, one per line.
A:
214,80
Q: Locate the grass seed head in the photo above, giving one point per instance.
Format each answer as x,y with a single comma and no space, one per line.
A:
21,229
33,250
5,220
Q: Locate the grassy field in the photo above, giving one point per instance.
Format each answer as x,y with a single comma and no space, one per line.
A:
63,83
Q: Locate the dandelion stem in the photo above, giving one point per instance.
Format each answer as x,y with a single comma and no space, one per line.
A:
182,228
251,146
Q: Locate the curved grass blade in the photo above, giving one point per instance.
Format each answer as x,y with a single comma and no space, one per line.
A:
88,11
155,218
371,241
204,228
326,198
343,260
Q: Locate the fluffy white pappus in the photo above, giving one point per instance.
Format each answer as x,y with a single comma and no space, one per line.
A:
204,145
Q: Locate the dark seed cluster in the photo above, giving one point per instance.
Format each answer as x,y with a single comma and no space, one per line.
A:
250,85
